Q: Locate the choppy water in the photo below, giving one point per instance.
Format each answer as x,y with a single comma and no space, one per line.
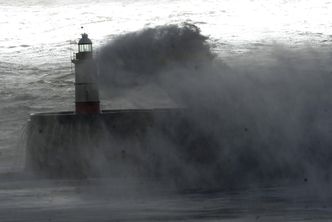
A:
36,76
107,201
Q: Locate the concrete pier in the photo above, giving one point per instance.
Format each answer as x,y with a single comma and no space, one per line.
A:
111,143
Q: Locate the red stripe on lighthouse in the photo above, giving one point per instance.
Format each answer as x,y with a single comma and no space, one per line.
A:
87,107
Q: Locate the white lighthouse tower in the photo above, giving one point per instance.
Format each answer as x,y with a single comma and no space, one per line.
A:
86,90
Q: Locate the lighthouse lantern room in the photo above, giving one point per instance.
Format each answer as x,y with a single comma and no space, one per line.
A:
85,44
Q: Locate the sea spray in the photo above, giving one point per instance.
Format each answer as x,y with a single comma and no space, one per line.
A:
261,122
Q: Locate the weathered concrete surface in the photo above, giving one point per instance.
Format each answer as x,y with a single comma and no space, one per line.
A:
114,142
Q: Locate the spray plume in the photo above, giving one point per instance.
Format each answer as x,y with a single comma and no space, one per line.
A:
251,122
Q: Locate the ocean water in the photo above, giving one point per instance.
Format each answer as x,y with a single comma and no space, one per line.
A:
285,38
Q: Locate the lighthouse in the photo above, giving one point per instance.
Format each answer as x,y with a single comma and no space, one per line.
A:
87,142
86,90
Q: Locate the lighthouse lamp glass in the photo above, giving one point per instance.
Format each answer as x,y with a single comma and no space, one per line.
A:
85,48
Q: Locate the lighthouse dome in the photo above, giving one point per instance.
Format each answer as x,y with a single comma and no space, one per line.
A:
85,39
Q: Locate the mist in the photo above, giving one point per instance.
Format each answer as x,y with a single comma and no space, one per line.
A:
263,118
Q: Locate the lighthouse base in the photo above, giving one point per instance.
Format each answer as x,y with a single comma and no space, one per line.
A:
112,143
